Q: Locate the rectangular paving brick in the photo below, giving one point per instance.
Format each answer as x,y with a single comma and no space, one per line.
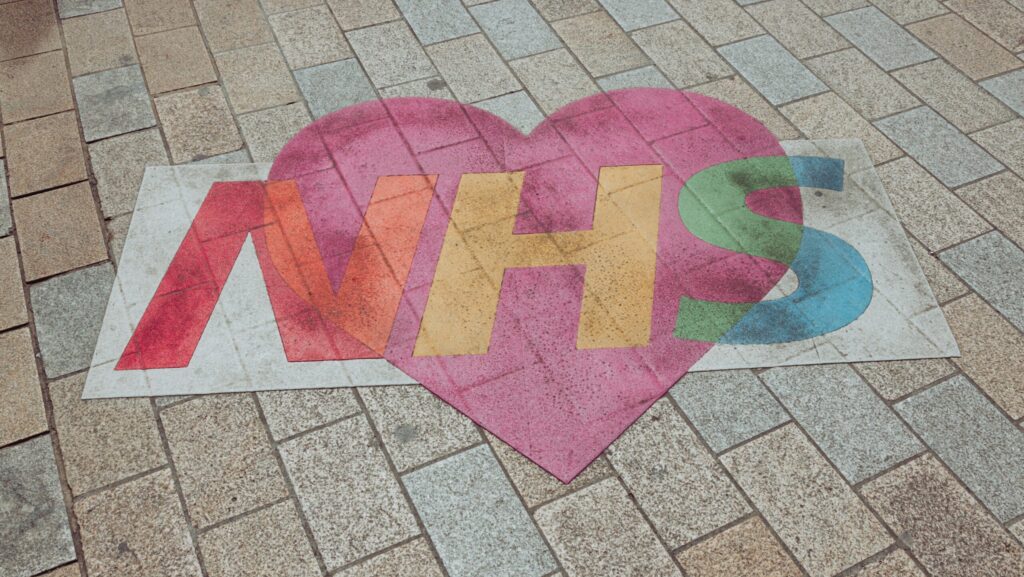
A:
881,39
268,542
965,47
309,37
291,412
68,311
390,54
437,21
829,116
267,131
113,102
175,59
598,531
256,77
515,28
333,86
231,24
939,146
473,516
1000,199
34,86
1009,88
853,427
945,528
996,18
994,267
472,69
739,93
944,284
895,379
634,14
98,42
352,14
554,79
72,8
22,413
905,11
44,153
957,98
553,10
412,558
58,230
982,447
1002,141
600,44
118,164
806,501
150,16
679,52
28,27
12,298
797,28
862,84
719,21
197,124
537,486
772,70
748,548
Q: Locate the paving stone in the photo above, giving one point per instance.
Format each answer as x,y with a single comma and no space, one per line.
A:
72,8
197,123
982,447
412,559
35,535
598,531
34,86
474,518
994,267
557,9
1000,199
1008,88
906,11
68,311
536,485
749,548
175,59
437,21
679,52
944,284
333,86
811,508
224,461
416,426
1003,142
861,83
516,29
516,108
953,95
352,14
113,102
65,571
830,7
28,27
6,222
390,54
635,14
232,24
309,37
997,18
600,44
58,231
772,70
894,564
137,528
150,16
118,164
644,77
965,47
828,116
844,417
554,79
719,21
945,528
236,157
44,152
740,94
939,146
423,88
267,131
277,6
352,502
293,411
267,543
21,414
797,28
1018,530
881,39
256,77
103,440
98,42
658,454
895,379
12,299
727,407
472,69
992,351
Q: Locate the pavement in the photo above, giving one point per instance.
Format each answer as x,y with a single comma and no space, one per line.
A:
747,472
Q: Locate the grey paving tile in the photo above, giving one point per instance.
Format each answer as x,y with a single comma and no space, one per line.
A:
719,21
661,436
5,201
830,7
1009,88
34,535
955,96
390,53
600,44
472,69
645,77
118,164
939,146
333,86
679,52
293,411
438,20
994,267
113,102
516,29
727,407
517,108
475,519
72,8
881,39
854,428
634,14
554,79
862,84
906,11
982,447
68,312
772,70
797,28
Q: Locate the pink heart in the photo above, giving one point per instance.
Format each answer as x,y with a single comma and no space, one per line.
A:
559,406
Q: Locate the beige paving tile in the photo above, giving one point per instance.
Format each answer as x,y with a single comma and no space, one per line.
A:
598,531
222,455
12,298
256,77
197,123
1018,530
897,563
34,86
99,41
149,16
739,93
277,6
945,285
352,14
553,10
231,24
991,349
927,208
267,131
600,43
957,98
175,59
684,57
65,571
964,46
904,11
58,230
662,436
309,37
1000,199
267,543
28,27
472,68
895,379
291,412
137,528
1003,142
797,28
21,414
412,559
118,164
829,116
997,18
390,53
806,501
862,83
719,21
43,153
117,232
942,525
830,7
103,440
749,548
554,79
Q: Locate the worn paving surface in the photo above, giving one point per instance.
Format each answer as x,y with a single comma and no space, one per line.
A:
912,468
